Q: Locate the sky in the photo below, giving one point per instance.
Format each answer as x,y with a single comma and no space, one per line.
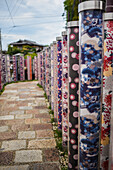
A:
37,20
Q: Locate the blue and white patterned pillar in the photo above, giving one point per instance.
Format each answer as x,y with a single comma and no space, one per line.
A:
91,49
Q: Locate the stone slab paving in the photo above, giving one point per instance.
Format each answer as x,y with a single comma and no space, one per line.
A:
26,136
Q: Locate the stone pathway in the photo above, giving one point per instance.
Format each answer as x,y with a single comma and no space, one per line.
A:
26,136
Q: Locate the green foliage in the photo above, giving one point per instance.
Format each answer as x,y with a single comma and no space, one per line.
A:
59,133
45,95
71,8
39,85
51,112
26,51
13,50
49,107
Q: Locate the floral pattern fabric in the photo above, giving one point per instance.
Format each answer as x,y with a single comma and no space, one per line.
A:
90,87
73,37
59,66
55,82
64,91
107,94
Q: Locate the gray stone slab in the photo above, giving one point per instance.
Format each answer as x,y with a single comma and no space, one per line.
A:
28,156
13,145
26,135
18,167
3,128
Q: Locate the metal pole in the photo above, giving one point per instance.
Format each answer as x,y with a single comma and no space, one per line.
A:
73,74
90,105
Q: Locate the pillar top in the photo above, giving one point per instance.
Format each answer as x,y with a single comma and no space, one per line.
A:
72,24
108,16
54,42
58,38
91,5
51,44
64,33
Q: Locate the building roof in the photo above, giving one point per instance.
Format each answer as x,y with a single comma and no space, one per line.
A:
26,42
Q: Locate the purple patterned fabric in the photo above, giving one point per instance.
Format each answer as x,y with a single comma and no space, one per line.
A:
59,60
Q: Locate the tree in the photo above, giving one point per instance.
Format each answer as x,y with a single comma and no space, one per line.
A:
71,8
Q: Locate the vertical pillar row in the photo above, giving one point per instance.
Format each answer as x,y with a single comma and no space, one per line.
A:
107,90
91,46
59,74
73,71
64,89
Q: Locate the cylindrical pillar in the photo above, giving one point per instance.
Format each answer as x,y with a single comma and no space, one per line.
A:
107,90
14,68
8,68
109,6
73,71
39,68
52,77
59,74
35,70
21,68
55,82
64,89
44,71
0,74
91,49
49,61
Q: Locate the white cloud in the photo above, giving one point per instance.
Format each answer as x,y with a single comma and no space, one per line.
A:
40,20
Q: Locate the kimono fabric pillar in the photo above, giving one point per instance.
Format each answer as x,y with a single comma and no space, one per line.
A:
49,52
21,68
107,90
30,65
55,82
73,71
35,63
0,74
47,72
8,68
59,71
14,68
64,89
52,77
44,71
46,77
91,31
39,68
